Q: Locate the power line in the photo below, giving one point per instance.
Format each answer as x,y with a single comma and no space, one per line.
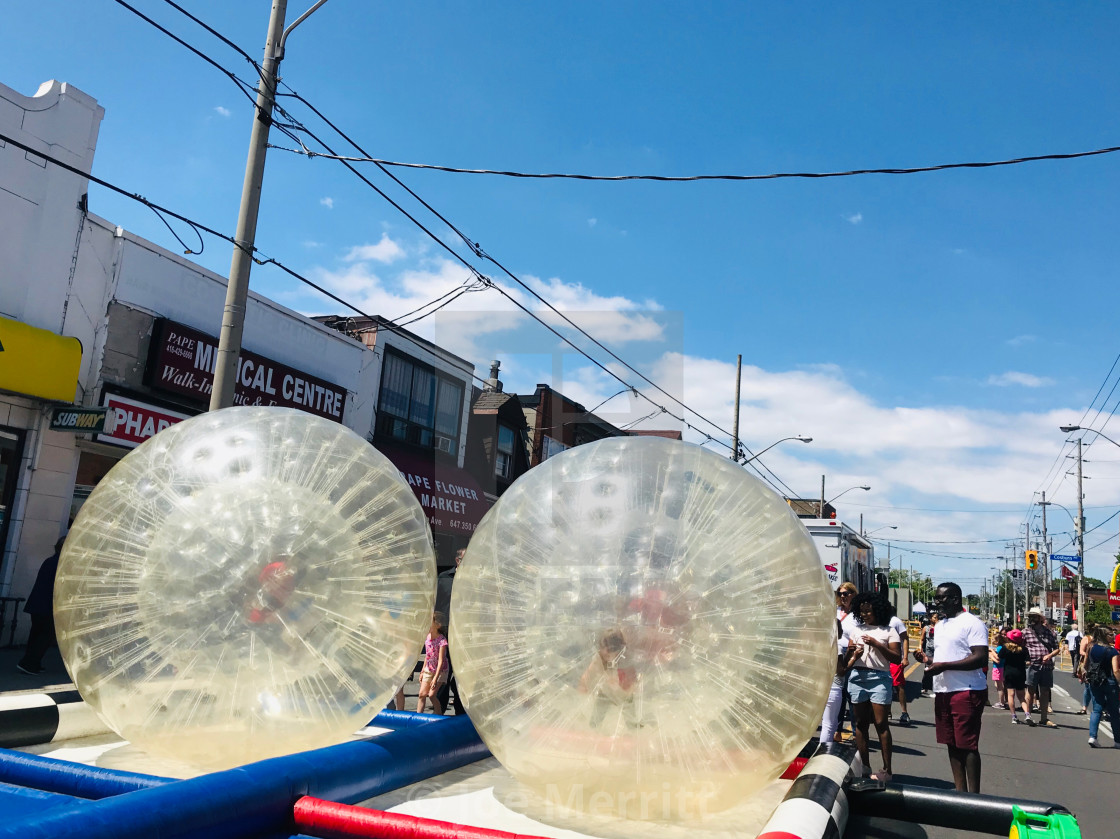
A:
687,178
481,253
197,226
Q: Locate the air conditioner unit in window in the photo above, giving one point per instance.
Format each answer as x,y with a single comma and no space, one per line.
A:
444,444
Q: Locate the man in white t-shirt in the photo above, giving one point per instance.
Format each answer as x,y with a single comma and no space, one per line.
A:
1073,641
898,671
959,685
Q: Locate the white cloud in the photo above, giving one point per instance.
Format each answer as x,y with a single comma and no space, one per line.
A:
921,459
591,222
854,218
327,202
613,320
224,112
385,251
1012,377
1020,340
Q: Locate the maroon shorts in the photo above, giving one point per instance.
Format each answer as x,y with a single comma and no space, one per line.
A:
957,718
898,675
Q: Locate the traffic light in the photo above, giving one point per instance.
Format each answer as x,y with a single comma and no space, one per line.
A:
1032,560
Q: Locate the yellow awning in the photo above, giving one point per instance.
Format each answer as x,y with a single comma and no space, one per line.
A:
39,363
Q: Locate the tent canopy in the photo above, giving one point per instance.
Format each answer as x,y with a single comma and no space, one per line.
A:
919,608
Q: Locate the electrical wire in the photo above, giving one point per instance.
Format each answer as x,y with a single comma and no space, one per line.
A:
755,463
197,226
245,87
687,178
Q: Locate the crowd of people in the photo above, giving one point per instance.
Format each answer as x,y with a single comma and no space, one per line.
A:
959,652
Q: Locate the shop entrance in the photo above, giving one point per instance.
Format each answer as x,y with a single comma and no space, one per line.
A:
11,453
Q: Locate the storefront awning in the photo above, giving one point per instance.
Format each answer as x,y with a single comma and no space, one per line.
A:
451,498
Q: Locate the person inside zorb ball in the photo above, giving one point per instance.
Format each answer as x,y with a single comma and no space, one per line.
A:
247,583
640,626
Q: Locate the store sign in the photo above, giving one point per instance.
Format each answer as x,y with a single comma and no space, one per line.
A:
183,361
132,422
80,420
1114,598
452,499
36,362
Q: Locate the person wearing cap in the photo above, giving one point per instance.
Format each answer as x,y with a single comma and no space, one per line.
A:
959,684
1013,657
1042,648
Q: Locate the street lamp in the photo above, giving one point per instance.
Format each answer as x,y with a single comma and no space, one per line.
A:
1068,428
884,527
824,503
765,450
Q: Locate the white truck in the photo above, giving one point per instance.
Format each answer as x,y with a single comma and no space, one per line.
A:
844,554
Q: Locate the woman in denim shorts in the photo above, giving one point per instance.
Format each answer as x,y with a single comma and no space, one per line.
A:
874,647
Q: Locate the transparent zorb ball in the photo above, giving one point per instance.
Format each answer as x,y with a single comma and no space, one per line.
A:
641,628
249,582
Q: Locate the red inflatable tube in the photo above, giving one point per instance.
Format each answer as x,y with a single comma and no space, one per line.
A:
328,820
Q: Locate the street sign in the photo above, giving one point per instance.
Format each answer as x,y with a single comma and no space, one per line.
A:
1065,558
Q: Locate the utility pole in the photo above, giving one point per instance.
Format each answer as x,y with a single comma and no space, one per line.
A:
1080,546
822,497
1045,555
735,425
237,291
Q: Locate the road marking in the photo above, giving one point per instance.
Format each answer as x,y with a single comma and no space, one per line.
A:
1104,726
913,667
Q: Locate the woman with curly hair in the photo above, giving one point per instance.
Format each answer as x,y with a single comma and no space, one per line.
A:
874,647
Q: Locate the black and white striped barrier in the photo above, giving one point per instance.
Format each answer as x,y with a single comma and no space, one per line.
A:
29,719
816,806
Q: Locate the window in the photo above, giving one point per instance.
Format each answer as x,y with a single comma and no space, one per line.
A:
503,465
551,448
419,406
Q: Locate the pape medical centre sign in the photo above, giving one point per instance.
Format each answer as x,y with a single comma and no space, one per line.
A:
183,360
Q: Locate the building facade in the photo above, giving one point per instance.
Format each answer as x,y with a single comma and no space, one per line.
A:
421,421
556,423
94,319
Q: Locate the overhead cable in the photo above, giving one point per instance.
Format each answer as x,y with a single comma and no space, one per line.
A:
686,178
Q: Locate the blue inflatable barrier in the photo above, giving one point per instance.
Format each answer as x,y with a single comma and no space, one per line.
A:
404,719
72,779
258,798
20,802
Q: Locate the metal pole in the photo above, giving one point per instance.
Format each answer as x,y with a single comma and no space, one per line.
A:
237,291
1045,562
735,424
822,497
1080,546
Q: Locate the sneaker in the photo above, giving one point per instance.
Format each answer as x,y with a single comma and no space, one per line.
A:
27,670
1014,720
1093,744
1027,719
904,719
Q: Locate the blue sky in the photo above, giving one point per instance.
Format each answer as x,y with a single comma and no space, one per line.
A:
929,331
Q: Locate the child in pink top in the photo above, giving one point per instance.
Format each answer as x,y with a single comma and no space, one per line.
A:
435,669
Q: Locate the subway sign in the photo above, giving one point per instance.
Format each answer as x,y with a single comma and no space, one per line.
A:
78,420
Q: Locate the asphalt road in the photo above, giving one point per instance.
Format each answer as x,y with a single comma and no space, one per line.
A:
1054,765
